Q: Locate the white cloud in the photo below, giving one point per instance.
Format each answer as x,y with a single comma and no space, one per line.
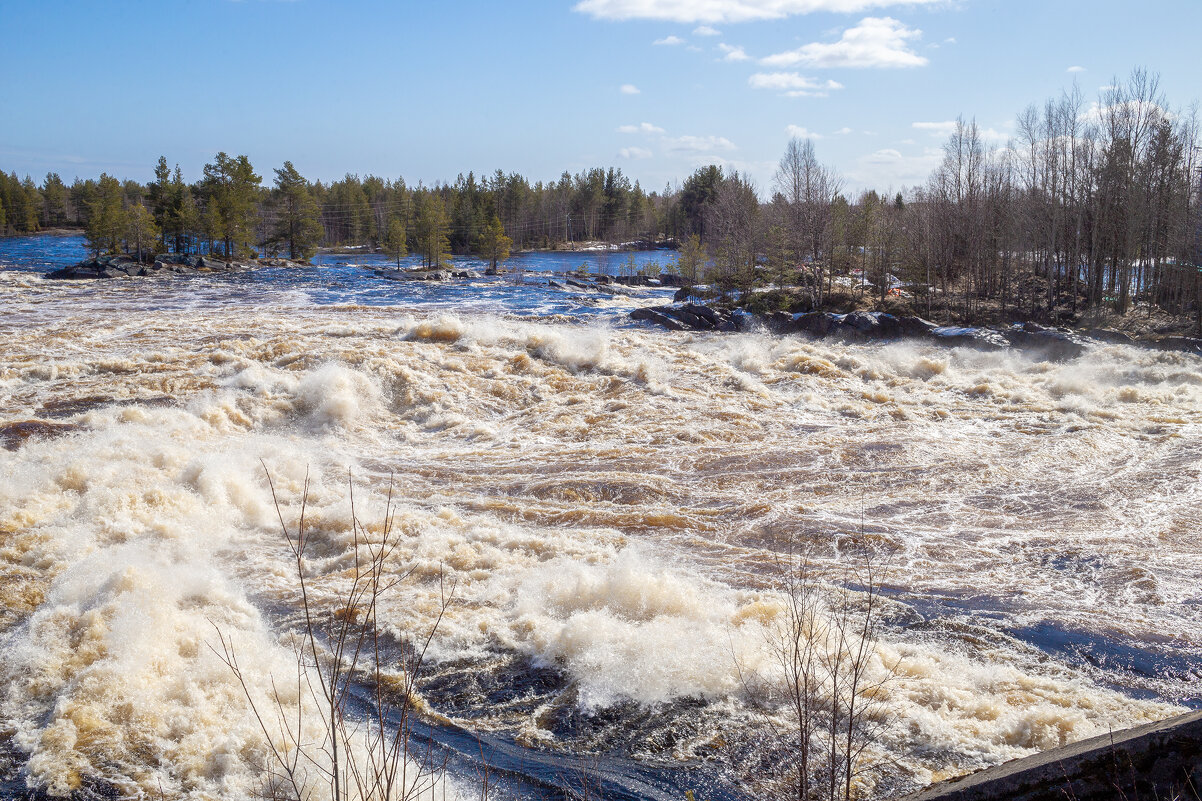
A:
629,89
946,128
1075,69
670,41
710,11
705,30
792,84
888,167
874,42
800,132
642,127
698,144
634,153
843,131
733,53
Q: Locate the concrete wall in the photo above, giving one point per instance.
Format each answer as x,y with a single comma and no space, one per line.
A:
1156,762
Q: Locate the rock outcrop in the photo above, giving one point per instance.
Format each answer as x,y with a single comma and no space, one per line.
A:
129,267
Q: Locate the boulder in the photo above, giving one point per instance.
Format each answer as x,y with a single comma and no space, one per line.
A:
916,327
1110,335
1184,344
817,324
979,338
1049,343
657,317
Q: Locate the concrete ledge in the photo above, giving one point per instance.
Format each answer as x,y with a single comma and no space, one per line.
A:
1161,761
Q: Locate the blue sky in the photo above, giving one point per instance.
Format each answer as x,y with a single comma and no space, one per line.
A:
656,87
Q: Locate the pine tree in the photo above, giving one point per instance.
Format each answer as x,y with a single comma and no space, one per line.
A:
231,189
493,244
106,217
54,200
297,223
141,232
395,240
431,230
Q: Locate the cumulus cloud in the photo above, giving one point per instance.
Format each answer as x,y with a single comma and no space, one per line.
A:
800,132
881,42
1075,68
670,41
698,144
945,128
710,11
705,30
642,127
793,84
634,153
890,167
843,131
629,89
733,53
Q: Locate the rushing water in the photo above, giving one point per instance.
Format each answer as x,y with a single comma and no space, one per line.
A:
608,501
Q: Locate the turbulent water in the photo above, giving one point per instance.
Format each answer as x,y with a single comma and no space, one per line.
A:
608,501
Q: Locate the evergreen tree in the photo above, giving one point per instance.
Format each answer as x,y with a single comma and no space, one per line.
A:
395,240
297,224
231,191
141,232
431,230
106,217
493,244
160,195
691,262
54,200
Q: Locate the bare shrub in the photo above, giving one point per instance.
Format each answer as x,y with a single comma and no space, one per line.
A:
318,747
822,699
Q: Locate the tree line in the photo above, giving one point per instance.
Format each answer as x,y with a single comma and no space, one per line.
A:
1088,205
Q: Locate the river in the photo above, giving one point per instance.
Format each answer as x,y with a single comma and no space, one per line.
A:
609,502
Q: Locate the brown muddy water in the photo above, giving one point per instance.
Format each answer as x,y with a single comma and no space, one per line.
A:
609,502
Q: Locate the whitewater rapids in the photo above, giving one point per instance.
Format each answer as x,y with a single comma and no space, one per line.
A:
608,502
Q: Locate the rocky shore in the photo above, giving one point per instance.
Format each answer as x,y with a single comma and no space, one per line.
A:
168,264
1056,344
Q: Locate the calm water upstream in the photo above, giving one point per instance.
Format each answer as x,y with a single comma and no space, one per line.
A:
608,500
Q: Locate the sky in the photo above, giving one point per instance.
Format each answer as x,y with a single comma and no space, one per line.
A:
429,90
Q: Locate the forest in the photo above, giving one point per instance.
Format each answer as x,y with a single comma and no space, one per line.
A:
1089,205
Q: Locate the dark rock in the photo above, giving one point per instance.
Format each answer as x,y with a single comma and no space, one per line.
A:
1049,343
979,338
658,317
1184,344
863,324
671,279
916,327
555,284
705,312
689,318
469,275
491,271
1110,335
684,293
817,324
579,284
